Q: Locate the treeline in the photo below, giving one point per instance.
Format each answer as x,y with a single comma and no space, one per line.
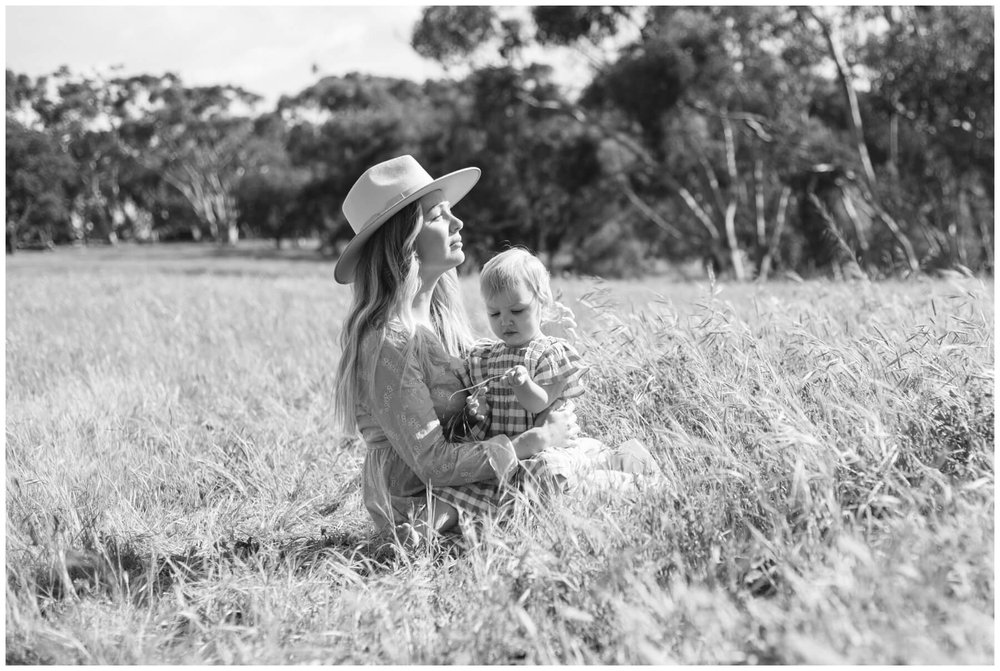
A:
756,139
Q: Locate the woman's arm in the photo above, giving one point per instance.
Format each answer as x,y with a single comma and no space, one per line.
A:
400,403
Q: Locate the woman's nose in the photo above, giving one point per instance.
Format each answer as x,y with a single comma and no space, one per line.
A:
456,223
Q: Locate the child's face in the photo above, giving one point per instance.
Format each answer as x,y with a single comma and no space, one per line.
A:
515,315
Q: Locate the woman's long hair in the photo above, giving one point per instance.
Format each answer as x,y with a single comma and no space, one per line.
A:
385,283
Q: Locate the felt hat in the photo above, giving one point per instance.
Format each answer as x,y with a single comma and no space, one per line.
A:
382,191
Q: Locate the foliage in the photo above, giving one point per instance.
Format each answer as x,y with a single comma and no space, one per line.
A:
39,183
177,494
692,134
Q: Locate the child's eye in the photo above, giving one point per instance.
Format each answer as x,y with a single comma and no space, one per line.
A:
517,312
493,314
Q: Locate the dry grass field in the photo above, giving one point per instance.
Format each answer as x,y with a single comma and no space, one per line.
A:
177,493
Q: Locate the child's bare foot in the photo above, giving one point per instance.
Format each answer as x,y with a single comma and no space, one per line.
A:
633,457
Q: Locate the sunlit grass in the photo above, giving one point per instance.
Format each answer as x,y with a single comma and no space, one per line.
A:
176,492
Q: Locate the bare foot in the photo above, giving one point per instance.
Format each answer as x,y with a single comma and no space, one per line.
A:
633,457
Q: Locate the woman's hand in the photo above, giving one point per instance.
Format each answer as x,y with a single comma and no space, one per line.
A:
476,405
559,428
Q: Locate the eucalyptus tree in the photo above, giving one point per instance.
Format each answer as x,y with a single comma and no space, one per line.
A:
196,140
932,110
269,195
79,112
39,187
544,185
711,118
685,133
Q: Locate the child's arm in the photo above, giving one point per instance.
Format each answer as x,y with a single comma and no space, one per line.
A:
532,396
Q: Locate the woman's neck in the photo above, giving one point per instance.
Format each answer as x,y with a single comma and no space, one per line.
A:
421,305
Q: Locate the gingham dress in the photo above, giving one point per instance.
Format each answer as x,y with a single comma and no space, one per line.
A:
405,416
547,359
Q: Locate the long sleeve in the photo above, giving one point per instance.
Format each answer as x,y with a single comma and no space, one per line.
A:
400,403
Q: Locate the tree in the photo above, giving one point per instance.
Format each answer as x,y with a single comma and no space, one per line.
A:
654,81
39,180
932,98
79,111
196,142
269,194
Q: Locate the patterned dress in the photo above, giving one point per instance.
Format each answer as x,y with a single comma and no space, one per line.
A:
403,413
548,360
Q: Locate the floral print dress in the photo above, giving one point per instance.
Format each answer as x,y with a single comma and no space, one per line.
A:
403,412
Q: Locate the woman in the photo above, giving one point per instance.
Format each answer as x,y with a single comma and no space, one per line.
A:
395,383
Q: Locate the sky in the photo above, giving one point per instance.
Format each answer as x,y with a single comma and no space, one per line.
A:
268,50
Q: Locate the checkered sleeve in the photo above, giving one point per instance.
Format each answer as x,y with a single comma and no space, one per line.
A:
560,362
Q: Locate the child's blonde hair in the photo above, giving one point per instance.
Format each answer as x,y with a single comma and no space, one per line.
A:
513,268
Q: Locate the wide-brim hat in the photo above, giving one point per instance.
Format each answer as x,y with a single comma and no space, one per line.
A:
385,189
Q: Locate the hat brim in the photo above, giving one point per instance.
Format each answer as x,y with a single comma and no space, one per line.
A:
455,186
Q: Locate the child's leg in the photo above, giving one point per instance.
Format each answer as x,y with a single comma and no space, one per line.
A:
608,481
633,457
589,459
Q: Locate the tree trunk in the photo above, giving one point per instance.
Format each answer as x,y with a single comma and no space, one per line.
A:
904,242
648,211
850,97
894,146
14,225
625,141
734,247
735,254
758,185
985,231
779,224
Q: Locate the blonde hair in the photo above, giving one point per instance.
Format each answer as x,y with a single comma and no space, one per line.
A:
386,281
513,268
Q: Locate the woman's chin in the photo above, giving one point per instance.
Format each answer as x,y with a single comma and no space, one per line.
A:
457,256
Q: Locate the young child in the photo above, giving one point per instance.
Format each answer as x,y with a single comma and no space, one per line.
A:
525,374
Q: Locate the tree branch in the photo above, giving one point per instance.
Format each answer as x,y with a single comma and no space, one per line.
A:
847,86
637,150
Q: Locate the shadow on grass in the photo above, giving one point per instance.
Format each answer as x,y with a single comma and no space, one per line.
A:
120,571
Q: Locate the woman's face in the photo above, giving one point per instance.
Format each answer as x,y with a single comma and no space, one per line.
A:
439,242
515,315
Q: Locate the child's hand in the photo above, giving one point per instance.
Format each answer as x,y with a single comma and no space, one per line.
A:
561,323
517,376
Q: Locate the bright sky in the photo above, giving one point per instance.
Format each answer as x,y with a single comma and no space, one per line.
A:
268,50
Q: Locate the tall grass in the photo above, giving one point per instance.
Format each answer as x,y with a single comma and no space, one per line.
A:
176,492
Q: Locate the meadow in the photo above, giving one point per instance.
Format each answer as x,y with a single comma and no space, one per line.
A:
178,494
